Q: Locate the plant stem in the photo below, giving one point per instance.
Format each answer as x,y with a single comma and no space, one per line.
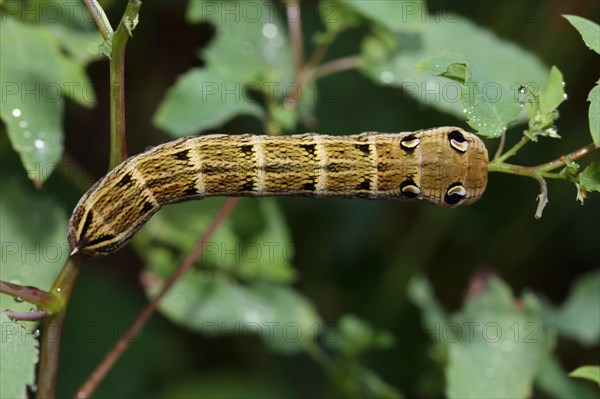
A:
35,315
111,357
542,198
308,72
52,329
500,146
295,34
100,18
562,160
524,140
539,172
50,344
118,148
339,65
32,295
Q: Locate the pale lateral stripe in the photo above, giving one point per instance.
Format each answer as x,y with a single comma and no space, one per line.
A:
139,178
195,157
259,151
375,179
323,161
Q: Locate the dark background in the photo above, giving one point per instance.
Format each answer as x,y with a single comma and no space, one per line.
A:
353,256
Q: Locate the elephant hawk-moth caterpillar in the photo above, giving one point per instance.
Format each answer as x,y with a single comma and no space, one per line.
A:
445,166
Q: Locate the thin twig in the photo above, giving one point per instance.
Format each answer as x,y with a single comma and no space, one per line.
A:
561,161
500,146
30,294
335,66
295,34
111,357
542,198
34,315
100,18
513,151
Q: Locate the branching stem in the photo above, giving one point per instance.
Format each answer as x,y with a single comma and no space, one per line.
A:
100,18
539,172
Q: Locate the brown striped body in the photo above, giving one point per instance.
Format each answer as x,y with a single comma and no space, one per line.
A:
446,166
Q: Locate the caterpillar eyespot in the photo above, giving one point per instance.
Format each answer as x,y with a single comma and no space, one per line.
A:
424,165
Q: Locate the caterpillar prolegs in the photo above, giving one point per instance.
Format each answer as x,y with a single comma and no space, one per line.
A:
445,166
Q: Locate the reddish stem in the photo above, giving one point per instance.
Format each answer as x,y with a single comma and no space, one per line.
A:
111,357
30,294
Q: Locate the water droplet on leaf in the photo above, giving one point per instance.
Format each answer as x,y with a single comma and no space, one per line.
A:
269,31
386,77
39,144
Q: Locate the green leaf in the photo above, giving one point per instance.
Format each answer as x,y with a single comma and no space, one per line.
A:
397,16
421,294
203,99
591,373
594,113
552,92
33,250
590,177
578,317
32,102
18,357
541,106
495,347
489,111
249,53
553,380
355,337
589,31
237,285
250,43
215,305
34,243
507,67
336,16
376,387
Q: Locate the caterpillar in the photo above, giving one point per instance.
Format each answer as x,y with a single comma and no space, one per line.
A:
446,166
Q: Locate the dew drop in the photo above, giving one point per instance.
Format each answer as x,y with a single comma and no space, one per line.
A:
31,310
36,333
386,76
23,124
39,144
16,112
33,388
18,299
269,31
563,84
464,110
507,346
565,96
59,289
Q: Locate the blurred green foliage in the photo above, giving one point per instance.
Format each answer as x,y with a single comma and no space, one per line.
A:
296,297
